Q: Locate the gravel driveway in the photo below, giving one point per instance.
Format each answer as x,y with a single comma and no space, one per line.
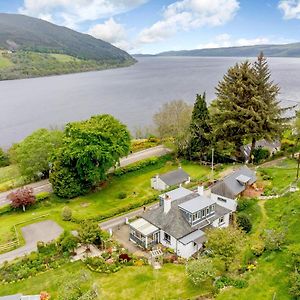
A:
45,231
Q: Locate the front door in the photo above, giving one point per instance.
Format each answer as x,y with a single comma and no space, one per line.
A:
156,237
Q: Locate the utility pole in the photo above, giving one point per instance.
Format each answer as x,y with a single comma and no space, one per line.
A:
298,166
212,163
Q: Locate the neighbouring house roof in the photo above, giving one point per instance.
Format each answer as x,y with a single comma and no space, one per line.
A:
175,177
177,193
20,297
196,204
272,145
143,226
174,223
234,184
34,297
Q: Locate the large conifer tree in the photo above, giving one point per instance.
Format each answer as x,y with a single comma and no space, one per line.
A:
200,129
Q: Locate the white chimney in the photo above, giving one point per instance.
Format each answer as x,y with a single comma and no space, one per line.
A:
200,190
167,203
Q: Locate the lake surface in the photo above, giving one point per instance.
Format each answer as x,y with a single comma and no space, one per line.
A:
131,94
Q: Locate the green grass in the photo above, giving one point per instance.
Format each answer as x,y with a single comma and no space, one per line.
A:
130,283
10,177
4,62
282,174
136,185
64,57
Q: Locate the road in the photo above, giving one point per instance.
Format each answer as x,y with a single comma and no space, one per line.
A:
45,186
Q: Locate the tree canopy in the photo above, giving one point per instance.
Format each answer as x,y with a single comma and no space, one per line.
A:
89,150
22,198
4,160
33,154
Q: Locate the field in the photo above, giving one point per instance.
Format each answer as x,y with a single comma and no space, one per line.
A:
268,281
10,177
104,202
4,62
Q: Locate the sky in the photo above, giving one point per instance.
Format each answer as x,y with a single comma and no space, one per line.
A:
153,26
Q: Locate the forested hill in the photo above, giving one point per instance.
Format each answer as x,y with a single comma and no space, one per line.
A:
18,32
31,47
287,50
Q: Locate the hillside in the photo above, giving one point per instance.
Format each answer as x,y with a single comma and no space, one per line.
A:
288,50
33,47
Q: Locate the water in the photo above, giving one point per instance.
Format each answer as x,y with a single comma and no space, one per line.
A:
131,94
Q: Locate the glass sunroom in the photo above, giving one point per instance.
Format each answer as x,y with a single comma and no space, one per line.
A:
144,233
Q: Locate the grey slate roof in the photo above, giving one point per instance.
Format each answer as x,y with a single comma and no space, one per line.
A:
260,144
175,177
177,193
174,223
192,237
230,187
196,204
11,297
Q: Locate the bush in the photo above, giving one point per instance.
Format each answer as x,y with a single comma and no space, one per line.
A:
274,239
42,196
225,281
260,154
4,160
122,195
243,204
244,222
258,249
66,213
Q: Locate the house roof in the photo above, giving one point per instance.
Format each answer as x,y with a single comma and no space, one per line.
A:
192,237
175,177
177,193
12,297
232,185
174,223
196,204
143,226
246,149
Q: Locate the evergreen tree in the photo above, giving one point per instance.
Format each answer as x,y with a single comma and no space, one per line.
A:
200,130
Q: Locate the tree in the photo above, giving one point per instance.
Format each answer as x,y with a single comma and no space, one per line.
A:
200,129
200,270
34,152
247,108
244,222
89,150
225,243
67,242
22,198
89,233
173,121
4,160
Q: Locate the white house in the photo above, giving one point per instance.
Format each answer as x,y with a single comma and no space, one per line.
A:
173,178
226,191
180,221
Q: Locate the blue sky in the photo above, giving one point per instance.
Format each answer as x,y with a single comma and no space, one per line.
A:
152,26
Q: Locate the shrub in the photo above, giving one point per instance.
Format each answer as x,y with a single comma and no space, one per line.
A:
66,213
225,281
22,198
243,204
274,239
258,249
200,270
260,154
42,196
4,160
122,195
244,222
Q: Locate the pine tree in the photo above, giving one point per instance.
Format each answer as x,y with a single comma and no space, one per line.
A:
200,129
237,109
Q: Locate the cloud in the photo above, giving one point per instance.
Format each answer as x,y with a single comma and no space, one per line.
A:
70,13
186,15
111,32
225,40
290,8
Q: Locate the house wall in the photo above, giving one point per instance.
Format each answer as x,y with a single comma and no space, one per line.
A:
226,202
225,223
158,184
188,250
172,244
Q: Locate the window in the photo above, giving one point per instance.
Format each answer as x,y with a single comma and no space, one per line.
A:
207,211
194,217
213,207
221,220
167,238
222,199
202,213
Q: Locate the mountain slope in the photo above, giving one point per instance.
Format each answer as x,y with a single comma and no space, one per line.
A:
288,50
18,32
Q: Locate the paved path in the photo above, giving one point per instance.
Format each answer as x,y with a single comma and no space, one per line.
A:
45,186
44,231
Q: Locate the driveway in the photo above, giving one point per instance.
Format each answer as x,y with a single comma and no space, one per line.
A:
45,186
45,231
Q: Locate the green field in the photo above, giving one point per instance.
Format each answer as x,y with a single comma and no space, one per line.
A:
10,177
4,62
136,185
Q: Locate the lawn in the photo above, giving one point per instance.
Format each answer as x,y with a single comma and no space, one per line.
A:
136,185
130,283
10,177
64,57
4,62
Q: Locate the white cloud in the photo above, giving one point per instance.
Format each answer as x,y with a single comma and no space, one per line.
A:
185,15
72,12
111,32
290,8
225,40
